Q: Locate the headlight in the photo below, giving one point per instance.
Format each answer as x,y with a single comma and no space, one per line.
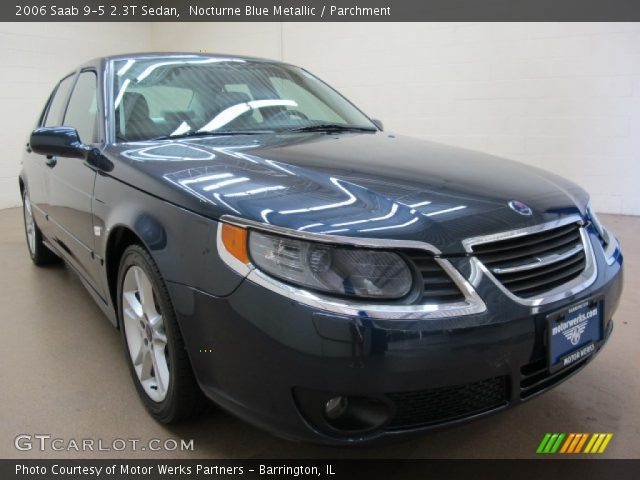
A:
344,271
348,277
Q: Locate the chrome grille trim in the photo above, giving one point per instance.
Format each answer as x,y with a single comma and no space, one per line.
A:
494,237
540,261
583,280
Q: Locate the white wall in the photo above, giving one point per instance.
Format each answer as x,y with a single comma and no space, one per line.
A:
565,97
561,96
33,56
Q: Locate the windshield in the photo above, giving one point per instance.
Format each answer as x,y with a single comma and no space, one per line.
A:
181,96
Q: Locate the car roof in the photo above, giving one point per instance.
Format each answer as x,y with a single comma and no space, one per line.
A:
151,55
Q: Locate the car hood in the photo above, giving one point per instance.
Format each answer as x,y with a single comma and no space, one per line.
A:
363,185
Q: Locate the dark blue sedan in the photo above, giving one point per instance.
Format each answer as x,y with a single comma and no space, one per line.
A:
261,242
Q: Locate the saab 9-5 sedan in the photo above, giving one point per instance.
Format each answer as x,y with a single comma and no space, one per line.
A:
261,242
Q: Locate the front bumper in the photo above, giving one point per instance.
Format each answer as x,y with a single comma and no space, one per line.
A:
274,362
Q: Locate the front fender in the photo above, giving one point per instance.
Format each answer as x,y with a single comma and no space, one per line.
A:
182,243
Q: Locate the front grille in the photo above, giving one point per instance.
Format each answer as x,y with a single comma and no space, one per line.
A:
437,285
439,405
530,265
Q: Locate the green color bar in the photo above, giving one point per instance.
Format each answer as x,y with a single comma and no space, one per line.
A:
543,443
555,448
547,448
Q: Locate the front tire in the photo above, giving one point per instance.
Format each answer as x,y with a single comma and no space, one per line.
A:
156,353
38,251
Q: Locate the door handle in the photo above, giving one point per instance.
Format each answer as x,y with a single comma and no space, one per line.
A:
51,161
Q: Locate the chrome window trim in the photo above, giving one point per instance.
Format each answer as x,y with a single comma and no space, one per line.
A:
573,287
472,304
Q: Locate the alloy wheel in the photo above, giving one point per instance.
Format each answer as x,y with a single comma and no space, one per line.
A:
145,334
29,224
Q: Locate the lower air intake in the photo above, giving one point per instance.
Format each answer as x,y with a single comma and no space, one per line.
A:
440,405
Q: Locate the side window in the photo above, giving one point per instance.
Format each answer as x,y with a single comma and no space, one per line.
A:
58,102
82,112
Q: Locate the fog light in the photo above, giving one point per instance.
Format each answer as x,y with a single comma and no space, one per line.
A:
343,415
336,407
355,414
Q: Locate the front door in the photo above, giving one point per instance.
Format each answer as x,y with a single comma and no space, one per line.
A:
72,181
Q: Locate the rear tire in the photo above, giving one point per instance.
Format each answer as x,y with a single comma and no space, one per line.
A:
155,349
38,251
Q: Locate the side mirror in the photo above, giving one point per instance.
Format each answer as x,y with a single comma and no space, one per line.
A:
58,141
378,123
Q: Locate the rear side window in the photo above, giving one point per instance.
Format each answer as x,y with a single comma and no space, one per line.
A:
82,112
58,102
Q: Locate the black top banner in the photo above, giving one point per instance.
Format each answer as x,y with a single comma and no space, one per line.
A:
319,10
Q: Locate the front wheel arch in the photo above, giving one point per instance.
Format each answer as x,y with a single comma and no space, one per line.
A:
120,238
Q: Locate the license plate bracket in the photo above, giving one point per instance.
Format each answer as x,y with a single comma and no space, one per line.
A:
573,334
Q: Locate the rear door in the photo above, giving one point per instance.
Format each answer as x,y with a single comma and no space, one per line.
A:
72,181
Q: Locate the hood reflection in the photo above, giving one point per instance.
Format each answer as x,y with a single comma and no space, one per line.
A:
253,180
346,184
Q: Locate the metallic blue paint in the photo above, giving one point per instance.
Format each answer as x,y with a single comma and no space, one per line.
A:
170,195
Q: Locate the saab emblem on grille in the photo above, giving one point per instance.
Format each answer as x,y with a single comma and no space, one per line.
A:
521,208
573,334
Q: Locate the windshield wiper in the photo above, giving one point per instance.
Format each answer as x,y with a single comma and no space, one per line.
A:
214,133
331,127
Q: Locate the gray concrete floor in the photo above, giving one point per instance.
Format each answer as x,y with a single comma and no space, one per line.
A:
63,372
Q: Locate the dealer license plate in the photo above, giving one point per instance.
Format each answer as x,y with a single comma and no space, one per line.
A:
572,335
